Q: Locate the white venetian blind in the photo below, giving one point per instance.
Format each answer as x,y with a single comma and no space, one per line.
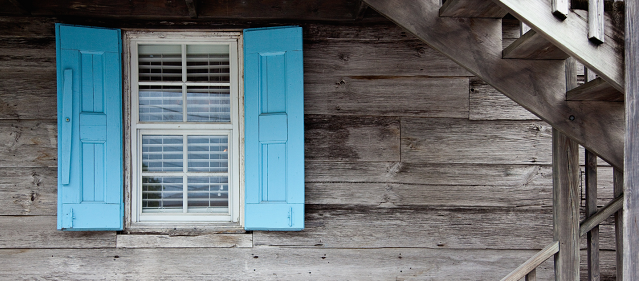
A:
204,71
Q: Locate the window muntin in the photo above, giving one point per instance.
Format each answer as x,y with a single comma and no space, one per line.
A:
185,131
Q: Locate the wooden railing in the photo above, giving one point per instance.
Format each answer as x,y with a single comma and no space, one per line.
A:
529,268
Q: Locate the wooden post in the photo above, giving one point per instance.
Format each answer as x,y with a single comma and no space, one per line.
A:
560,8
565,175
591,209
618,190
596,21
532,275
631,146
566,198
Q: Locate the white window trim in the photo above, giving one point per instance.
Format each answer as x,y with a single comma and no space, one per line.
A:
132,132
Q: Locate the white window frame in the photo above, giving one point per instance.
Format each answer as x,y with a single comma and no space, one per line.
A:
135,129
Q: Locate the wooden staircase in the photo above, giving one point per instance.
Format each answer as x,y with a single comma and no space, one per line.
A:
538,72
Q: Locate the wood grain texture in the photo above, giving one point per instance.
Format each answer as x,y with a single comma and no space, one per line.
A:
340,226
566,206
421,96
536,85
486,103
533,46
571,36
198,241
471,9
631,146
489,142
595,90
32,232
28,143
534,195
591,209
618,219
351,138
417,173
364,58
264,263
27,27
28,191
27,94
27,53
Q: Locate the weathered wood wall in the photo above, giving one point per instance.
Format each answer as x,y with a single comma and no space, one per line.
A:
414,170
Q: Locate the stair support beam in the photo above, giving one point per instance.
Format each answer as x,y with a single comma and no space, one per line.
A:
472,9
538,86
571,36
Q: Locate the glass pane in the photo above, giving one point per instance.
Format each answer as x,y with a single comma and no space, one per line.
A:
208,194
160,104
162,153
207,63
208,104
160,63
162,194
208,154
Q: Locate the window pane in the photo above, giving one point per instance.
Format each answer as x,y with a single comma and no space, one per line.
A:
160,104
208,194
160,62
162,153
207,63
162,194
208,154
208,104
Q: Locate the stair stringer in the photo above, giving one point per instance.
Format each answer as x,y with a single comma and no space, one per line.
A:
537,85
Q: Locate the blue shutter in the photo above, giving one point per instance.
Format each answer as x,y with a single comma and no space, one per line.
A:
89,128
274,129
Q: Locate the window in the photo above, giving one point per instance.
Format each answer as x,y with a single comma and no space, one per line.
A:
185,112
185,119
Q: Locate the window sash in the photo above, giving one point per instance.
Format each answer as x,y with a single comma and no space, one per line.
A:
231,128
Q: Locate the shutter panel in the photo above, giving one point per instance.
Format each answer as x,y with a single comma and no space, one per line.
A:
89,128
274,129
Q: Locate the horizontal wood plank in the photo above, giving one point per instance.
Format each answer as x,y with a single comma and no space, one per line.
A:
351,138
28,143
533,46
486,103
358,58
417,173
28,191
264,263
531,195
198,241
27,93
595,90
31,232
342,226
386,96
489,142
471,9
27,27
32,53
